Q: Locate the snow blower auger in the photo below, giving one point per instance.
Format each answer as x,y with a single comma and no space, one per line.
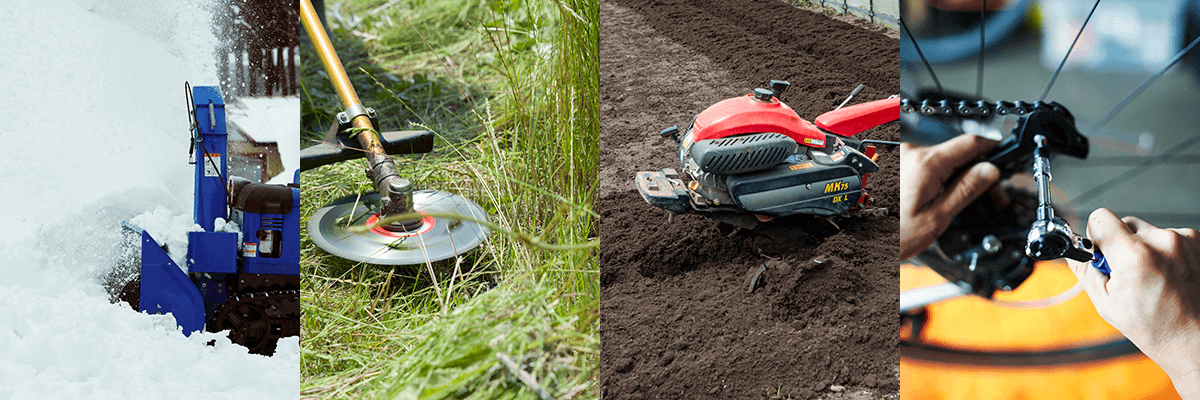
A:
245,280
432,236
751,159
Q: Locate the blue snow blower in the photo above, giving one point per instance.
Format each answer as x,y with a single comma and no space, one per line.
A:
245,277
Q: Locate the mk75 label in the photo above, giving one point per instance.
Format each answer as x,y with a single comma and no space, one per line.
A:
836,186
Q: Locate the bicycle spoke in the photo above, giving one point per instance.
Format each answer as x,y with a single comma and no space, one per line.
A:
1064,60
982,44
922,55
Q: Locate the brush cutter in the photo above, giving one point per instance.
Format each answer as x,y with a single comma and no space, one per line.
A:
430,232
751,159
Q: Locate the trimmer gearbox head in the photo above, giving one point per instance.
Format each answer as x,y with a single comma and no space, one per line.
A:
437,237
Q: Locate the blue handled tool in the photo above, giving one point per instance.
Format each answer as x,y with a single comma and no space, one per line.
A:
1099,262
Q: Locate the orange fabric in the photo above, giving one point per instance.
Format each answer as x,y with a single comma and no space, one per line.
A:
976,324
1121,378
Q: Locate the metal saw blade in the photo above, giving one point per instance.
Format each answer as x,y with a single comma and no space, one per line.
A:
438,238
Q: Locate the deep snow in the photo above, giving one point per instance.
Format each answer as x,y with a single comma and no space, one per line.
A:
94,131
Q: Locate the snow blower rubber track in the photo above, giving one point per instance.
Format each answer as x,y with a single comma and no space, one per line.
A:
258,320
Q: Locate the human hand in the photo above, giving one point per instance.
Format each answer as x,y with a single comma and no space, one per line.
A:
929,198
1153,293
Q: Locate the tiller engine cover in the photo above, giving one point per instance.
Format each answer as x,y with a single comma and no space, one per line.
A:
752,158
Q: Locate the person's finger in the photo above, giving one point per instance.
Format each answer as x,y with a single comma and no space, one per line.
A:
955,153
1105,228
966,188
1077,267
913,239
1094,282
1000,196
1187,233
1136,224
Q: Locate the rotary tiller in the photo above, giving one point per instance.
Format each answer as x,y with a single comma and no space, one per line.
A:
751,159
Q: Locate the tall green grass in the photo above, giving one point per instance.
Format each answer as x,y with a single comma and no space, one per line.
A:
507,320
550,129
403,99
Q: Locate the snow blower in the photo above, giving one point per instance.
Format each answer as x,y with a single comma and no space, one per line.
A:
245,280
431,234
751,159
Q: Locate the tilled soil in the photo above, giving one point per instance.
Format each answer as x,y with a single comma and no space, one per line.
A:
676,318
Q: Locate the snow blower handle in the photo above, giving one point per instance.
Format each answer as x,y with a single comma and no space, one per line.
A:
192,123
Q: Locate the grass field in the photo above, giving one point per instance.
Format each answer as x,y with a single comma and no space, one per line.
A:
510,88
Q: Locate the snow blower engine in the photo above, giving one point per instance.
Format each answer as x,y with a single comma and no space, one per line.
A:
245,280
751,159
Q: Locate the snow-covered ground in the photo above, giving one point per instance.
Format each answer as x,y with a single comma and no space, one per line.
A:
93,131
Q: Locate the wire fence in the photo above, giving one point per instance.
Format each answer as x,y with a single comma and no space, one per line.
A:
886,12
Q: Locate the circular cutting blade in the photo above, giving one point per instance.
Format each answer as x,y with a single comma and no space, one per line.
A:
438,238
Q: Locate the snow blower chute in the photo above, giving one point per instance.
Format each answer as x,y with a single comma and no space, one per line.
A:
751,159
430,232
245,280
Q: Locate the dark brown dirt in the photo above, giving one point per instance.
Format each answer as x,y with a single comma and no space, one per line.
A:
676,318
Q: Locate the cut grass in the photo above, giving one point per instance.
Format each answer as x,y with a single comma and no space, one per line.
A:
507,320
